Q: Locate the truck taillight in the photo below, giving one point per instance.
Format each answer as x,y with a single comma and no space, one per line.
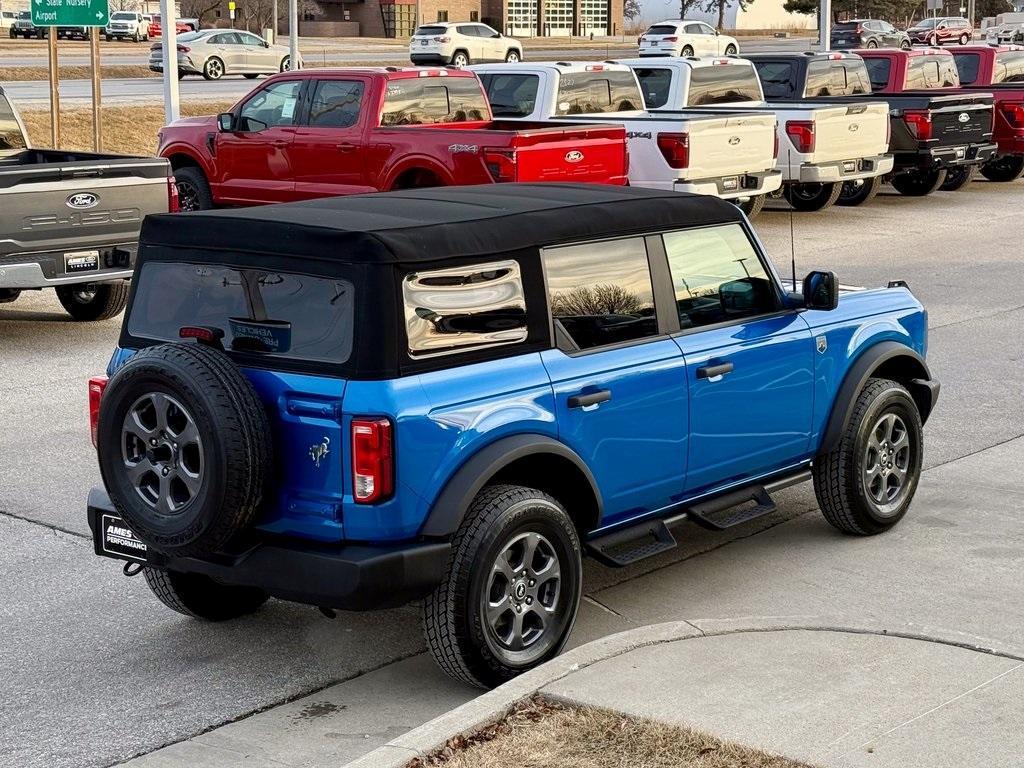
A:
173,199
1014,113
801,133
96,386
373,471
501,163
675,148
919,121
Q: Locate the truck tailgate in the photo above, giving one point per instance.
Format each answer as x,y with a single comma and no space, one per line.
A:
728,146
595,154
848,132
956,124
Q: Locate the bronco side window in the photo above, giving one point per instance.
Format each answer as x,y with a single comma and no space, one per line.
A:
463,308
600,293
717,276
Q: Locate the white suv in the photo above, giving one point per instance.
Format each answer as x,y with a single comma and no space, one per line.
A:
686,38
462,43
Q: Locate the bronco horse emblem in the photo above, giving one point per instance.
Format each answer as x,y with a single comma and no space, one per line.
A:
318,451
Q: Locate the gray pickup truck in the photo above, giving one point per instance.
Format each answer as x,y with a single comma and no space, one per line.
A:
71,220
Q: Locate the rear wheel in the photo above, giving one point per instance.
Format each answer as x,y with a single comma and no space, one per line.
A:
1005,168
193,190
904,45
918,183
752,205
135,37
812,196
859,191
512,57
93,301
730,50
286,64
964,39
871,44
213,69
957,177
201,597
687,51
460,59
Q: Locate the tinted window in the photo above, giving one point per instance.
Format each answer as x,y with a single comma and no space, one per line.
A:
1009,67
825,78
600,293
252,40
776,78
932,72
452,310
967,65
11,137
272,106
336,104
717,276
661,29
857,80
586,93
267,313
430,31
467,30
511,95
846,25
655,85
693,29
722,84
426,100
878,72
484,31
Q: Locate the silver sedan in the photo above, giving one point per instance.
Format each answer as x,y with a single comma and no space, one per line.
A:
214,53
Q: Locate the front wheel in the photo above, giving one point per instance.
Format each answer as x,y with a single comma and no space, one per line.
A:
730,50
918,183
93,301
512,57
460,59
193,190
957,177
865,484
213,69
859,191
812,196
871,44
1005,168
509,598
964,39
904,45
201,597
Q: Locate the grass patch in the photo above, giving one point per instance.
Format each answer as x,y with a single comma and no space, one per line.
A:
127,130
11,74
539,734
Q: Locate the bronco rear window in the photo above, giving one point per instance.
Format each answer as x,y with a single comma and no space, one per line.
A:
272,314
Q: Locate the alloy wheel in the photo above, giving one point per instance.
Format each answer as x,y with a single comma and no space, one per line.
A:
887,461
214,69
188,196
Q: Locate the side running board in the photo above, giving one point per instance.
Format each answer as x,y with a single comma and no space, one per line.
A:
733,508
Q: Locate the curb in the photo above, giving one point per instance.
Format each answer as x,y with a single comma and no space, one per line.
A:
495,704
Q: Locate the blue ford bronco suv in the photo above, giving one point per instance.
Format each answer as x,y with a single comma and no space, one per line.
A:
451,395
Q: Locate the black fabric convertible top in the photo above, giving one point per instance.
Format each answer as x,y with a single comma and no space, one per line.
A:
435,224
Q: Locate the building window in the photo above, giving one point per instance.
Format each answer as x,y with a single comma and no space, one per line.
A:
442,15
558,18
474,15
399,20
594,17
522,18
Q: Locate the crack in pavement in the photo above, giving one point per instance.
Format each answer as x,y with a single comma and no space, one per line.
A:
989,316
51,526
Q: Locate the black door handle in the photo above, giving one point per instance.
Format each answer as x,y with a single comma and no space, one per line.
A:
591,398
711,371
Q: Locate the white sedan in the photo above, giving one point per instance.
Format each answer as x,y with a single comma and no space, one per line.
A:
686,38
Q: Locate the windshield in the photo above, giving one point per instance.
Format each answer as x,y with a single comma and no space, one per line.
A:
122,16
24,15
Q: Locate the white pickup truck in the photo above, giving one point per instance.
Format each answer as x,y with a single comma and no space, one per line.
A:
731,155
821,145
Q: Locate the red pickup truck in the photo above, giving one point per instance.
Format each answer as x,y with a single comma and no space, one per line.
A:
311,133
999,70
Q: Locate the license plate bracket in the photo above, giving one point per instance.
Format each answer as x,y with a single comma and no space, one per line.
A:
76,262
113,538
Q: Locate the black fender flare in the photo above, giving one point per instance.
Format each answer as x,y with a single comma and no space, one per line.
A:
450,506
923,388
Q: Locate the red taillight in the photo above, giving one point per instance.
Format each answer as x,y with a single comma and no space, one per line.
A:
801,133
183,49
96,386
501,163
372,460
1014,113
173,199
675,148
672,39
919,121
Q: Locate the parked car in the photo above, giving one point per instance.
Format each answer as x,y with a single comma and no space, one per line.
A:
461,43
23,27
70,220
156,28
927,134
942,30
73,33
127,25
214,53
686,38
998,70
1005,34
454,394
867,33
346,131
730,155
819,147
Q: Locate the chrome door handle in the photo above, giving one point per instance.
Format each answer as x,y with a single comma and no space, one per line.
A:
714,371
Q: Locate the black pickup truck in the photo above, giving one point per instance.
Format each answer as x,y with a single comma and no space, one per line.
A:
930,133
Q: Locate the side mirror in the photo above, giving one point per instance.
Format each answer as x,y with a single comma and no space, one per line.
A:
821,291
226,122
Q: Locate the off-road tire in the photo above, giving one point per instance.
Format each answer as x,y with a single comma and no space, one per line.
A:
194,192
452,621
97,302
803,197
918,183
236,446
1005,168
839,474
957,177
852,193
752,206
201,597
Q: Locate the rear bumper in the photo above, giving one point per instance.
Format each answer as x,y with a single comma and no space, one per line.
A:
46,270
731,187
846,170
944,157
352,577
429,58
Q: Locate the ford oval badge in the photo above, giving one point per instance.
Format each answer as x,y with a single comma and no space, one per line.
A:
82,200
734,140
573,157
964,117
853,127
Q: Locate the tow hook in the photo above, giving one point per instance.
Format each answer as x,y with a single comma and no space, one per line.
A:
133,569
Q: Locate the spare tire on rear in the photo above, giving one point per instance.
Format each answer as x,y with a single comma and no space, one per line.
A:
184,446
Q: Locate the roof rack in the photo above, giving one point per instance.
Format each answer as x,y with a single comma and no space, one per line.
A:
563,64
393,69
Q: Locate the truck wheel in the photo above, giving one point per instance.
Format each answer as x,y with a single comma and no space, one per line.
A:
918,183
135,37
866,483
752,205
184,448
859,191
956,177
201,597
460,59
193,189
213,69
94,301
108,38
510,596
7,295
1005,168
812,196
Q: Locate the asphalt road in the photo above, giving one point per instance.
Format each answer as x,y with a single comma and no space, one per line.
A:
95,671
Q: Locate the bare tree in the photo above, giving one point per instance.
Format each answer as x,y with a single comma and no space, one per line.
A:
125,5
258,15
602,299
199,9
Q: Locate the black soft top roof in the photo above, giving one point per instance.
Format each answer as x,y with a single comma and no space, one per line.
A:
434,224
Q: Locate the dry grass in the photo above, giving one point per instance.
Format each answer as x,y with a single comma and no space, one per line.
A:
11,74
128,130
544,734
